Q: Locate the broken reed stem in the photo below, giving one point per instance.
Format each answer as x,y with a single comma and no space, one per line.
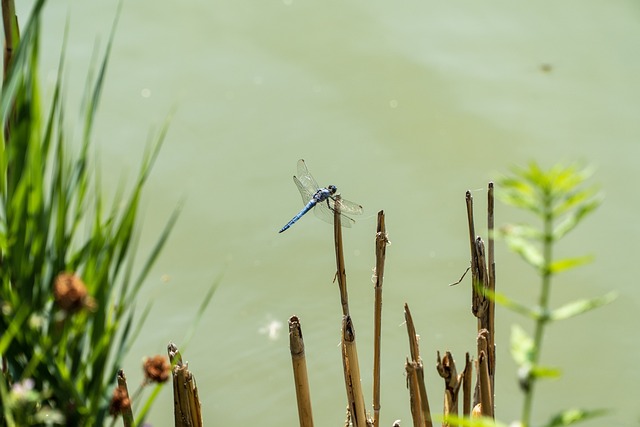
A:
127,411
415,373
446,368
355,398
381,250
11,40
341,272
467,376
413,337
11,33
483,278
414,393
186,403
486,396
300,378
492,286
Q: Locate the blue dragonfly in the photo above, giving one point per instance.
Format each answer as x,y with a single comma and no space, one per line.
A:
323,199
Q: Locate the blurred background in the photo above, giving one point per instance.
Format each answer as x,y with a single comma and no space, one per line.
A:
402,105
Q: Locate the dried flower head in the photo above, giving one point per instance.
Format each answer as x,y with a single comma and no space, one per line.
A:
120,401
156,369
70,293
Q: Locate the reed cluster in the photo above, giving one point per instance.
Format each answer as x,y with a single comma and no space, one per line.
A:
558,197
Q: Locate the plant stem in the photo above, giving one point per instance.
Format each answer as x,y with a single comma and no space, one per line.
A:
543,305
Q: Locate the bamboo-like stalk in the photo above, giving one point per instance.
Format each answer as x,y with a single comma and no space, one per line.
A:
414,349
352,379
341,271
186,403
424,401
410,367
486,395
11,32
381,250
420,392
446,368
483,278
11,39
127,411
301,380
467,376
492,286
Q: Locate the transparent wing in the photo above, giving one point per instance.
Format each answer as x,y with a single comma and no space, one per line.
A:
305,179
347,206
305,191
324,211
308,186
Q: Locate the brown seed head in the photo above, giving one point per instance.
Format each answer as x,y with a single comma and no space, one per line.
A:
120,401
156,369
70,293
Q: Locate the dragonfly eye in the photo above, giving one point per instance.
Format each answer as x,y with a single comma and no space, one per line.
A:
332,189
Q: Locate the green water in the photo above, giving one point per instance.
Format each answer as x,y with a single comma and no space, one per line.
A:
403,106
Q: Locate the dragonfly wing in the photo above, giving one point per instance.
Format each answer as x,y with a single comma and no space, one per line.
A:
324,211
347,206
305,191
305,178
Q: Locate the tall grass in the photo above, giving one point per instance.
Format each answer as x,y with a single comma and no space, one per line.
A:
68,273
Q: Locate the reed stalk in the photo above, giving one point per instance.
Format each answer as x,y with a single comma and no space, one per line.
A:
467,376
11,33
341,274
301,380
446,368
415,376
381,250
352,375
486,394
127,411
186,403
483,283
415,402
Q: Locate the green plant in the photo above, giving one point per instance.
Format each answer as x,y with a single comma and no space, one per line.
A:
560,200
68,276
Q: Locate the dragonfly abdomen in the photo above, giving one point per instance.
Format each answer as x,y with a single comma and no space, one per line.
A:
299,215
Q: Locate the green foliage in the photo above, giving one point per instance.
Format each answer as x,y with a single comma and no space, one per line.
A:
67,352
472,422
559,198
574,416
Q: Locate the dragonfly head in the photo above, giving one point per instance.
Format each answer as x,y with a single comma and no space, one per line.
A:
333,189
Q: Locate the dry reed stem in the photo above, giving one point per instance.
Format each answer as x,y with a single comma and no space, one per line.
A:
416,367
11,32
11,39
414,393
491,285
341,271
446,368
486,395
414,349
300,378
483,278
381,250
467,375
186,403
127,411
355,398
424,401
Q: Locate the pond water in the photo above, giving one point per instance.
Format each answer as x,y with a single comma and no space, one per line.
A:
404,106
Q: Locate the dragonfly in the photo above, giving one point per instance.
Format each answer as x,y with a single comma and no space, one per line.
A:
322,198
